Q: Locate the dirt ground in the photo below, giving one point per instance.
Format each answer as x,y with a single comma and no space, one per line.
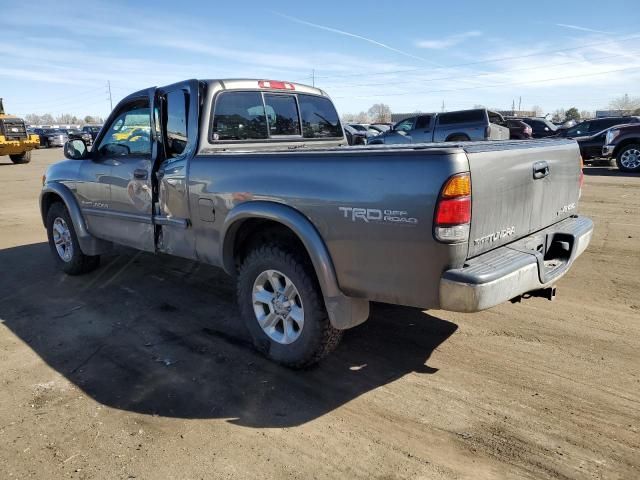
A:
142,370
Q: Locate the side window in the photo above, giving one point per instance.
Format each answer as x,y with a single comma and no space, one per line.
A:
319,117
405,125
175,125
423,122
496,118
239,116
282,114
129,133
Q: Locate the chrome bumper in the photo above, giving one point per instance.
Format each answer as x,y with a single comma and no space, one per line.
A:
515,269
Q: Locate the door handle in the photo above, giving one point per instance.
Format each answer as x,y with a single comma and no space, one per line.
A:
140,174
540,170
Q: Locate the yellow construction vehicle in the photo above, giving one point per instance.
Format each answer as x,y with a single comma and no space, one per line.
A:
15,141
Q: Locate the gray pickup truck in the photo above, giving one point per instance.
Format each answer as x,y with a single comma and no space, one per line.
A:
458,126
253,176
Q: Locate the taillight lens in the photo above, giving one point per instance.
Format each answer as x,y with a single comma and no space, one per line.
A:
453,210
581,181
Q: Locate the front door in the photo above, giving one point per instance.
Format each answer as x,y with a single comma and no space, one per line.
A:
126,148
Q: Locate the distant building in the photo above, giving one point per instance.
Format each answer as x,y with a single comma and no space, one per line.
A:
517,113
612,113
398,117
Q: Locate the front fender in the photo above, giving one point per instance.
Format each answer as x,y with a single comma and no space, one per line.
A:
344,312
54,191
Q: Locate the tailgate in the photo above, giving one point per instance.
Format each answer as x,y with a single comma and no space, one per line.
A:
519,188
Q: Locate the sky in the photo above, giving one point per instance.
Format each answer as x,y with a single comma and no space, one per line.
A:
57,57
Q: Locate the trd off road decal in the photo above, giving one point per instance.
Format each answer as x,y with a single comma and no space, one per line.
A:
375,215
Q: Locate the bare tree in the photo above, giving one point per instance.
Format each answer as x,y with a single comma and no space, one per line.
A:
559,115
625,102
537,110
47,119
586,114
380,113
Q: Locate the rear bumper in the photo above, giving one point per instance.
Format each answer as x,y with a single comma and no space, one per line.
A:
507,272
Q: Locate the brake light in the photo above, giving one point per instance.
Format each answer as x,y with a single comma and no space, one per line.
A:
276,85
453,210
581,180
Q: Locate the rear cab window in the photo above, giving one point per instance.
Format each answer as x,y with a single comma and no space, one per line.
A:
253,115
467,116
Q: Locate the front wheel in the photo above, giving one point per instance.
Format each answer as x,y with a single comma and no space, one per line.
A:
628,159
24,157
64,243
283,309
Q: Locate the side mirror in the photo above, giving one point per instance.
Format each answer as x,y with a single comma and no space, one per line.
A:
76,150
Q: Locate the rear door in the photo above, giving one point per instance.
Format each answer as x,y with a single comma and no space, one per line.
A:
422,130
520,189
178,107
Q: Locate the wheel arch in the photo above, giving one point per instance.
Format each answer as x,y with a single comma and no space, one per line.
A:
464,136
344,312
624,143
58,192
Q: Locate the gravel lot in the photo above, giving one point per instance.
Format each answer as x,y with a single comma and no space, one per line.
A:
142,370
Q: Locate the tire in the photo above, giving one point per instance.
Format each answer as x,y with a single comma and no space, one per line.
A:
76,263
628,158
21,158
316,338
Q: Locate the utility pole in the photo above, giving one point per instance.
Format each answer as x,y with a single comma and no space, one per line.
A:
313,77
443,105
520,104
109,91
513,106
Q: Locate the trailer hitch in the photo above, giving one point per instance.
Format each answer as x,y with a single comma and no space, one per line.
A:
549,293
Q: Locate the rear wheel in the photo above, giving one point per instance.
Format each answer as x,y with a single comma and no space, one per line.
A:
283,309
628,158
64,243
21,157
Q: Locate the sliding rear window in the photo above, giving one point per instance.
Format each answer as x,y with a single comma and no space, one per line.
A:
258,116
467,116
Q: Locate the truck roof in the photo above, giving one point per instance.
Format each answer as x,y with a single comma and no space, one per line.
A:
263,84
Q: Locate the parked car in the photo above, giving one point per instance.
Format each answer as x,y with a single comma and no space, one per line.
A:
311,233
75,134
591,145
623,144
518,130
591,127
540,126
355,136
51,137
459,126
381,127
92,130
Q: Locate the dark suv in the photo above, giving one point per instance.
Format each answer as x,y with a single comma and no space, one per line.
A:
540,126
623,144
591,127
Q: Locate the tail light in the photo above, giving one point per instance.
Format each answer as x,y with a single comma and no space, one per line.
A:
581,180
453,210
528,130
